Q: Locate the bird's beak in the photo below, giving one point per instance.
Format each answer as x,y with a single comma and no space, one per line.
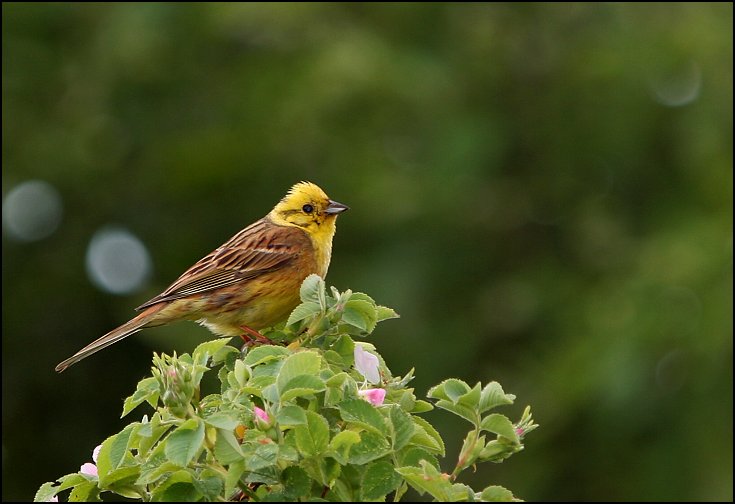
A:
335,208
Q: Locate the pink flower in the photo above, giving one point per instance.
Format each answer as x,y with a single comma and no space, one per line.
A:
375,396
262,414
89,469
367,364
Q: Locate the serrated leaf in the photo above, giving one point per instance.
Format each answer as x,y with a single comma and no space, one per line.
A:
324,470
265,353
422,406
113,451
454,389
385,313
179,487
496,493
69,481
204,351
183,444
147,389
469,414
341,443
471,399
493,396
303,311
226,448
500,425
222,420
296,483
312,438
362,413
437,443
289,416
234,472
301,385
85,492
413,455
378,480
312,290
428,479
401,427
361,314
372,446
210,484
301,363
45,493
265,455
118,478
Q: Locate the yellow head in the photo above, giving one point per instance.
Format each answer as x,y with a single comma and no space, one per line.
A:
309,208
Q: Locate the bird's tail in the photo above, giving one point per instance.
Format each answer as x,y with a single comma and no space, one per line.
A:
130,327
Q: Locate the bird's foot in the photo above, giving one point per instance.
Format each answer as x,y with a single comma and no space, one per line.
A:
251,337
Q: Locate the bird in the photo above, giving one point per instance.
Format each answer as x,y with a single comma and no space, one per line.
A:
250,282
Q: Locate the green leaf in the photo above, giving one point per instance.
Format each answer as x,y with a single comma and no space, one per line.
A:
301,385
412,456
204,351
113,452
385,313
265,353
500,425
210,484
45,493
150,433
361,296
493,396
234,472
471,399
454,389
296,483
312,438
469,414
379,480
179,487
265,455
362,413
341,444
360,314
148,389
372,446
428,479
226,448
313,291
222,420
303,311
242,373
302,363
289,416
426,435
69,481
324,471
183,444
496,493
85,492
401,427
422,406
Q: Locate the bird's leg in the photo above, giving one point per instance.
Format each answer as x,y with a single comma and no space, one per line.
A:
252,336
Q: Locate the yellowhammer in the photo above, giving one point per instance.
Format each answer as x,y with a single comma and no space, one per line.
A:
250,282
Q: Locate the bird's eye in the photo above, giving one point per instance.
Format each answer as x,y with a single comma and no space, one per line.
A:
307,208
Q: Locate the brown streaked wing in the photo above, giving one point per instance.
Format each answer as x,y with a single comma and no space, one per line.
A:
260,248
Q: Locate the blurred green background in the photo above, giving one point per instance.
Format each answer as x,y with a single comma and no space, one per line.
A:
544,192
